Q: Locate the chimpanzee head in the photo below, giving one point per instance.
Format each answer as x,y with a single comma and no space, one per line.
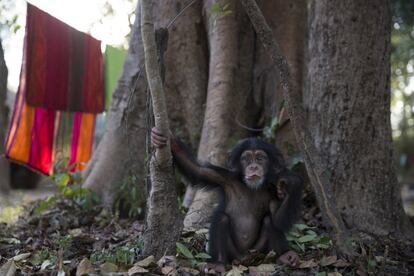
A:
256,162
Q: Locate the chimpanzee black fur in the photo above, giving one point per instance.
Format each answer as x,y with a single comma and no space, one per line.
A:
246,218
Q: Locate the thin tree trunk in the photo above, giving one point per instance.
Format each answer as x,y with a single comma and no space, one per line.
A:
349,107
314,161
4,163
163,227
229,98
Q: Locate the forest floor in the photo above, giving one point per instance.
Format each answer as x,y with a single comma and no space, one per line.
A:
67,236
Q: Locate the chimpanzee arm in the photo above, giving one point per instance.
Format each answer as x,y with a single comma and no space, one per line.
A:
192,169
284,216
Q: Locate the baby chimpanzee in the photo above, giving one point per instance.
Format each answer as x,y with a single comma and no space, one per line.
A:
261,199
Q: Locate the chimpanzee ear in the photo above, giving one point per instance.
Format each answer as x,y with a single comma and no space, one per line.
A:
233,163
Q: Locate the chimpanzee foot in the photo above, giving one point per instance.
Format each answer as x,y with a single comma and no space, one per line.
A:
289,258
214,268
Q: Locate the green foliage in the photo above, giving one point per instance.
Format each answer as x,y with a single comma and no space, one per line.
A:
123,255
129,197
195,258
64,242
44,257
371,265
10,214
302,237
69,186
297,162
220,9
402,76
8,16
269,132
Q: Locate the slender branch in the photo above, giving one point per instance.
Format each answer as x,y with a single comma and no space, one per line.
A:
180,13
154,79
163,223
314,162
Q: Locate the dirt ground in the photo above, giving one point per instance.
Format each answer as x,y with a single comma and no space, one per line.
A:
62,237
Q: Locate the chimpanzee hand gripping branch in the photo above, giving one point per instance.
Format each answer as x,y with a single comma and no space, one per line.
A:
260,199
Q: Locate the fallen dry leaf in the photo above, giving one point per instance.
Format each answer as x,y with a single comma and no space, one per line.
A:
8,269
308,264
191,271
149,261
21,257
334,274
327,261
167,261
262,269
237,270
169,270
84,268
341,263
137,270
108,267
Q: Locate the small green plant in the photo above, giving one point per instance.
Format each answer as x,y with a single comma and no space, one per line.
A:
69,186
195,259
124,255
10,214
64,242
129,198
303,237
269,132
220,9
44,258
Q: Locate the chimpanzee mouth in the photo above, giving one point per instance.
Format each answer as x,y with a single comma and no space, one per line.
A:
252,177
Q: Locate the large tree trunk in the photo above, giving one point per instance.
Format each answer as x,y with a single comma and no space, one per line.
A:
121,152
4,163
288,21
349,108
229,98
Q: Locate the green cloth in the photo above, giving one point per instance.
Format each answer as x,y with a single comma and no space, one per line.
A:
114,61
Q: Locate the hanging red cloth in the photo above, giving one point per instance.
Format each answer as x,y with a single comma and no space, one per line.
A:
61,71
64,66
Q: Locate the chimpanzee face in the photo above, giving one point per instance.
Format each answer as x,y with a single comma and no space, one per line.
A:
255,166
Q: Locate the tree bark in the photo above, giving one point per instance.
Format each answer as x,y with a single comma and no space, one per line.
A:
288,21
163,227
121,151
4,163
314,162
229,97
349,108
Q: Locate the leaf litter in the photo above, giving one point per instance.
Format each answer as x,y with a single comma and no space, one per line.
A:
64,239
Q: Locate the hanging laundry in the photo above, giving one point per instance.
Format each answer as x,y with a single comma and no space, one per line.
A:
114,61
64,66
39,137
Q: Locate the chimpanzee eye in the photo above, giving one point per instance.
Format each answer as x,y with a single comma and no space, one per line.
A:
260,158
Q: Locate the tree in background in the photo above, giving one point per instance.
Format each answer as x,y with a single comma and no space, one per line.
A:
121,154
402,76
4,164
